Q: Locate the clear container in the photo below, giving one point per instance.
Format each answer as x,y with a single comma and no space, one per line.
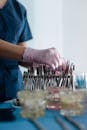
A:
73,102
53,100
33,103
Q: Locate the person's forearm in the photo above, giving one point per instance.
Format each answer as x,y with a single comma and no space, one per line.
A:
10,51
49,57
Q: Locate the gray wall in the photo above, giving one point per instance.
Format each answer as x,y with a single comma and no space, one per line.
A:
75,32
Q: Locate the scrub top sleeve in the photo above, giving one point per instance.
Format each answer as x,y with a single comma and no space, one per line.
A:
26,33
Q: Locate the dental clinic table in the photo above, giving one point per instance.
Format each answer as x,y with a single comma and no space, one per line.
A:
10,119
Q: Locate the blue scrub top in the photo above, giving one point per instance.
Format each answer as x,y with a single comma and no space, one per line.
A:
14,28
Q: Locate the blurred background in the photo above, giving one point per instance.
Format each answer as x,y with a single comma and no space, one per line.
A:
61,24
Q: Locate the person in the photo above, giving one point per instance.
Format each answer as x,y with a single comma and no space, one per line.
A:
14,32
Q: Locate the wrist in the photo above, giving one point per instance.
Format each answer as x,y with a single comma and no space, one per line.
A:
29,55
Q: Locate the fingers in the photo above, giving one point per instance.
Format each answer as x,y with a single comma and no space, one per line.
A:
63,63
52,58
55,61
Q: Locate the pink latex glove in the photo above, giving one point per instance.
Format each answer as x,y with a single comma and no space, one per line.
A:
49,57
62,64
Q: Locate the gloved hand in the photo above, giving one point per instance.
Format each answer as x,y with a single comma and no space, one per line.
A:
63,64
50,57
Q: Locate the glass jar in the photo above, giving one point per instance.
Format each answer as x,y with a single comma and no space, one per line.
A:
33,103
73,102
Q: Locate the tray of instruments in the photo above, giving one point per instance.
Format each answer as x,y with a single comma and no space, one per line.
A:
46,89
41,77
